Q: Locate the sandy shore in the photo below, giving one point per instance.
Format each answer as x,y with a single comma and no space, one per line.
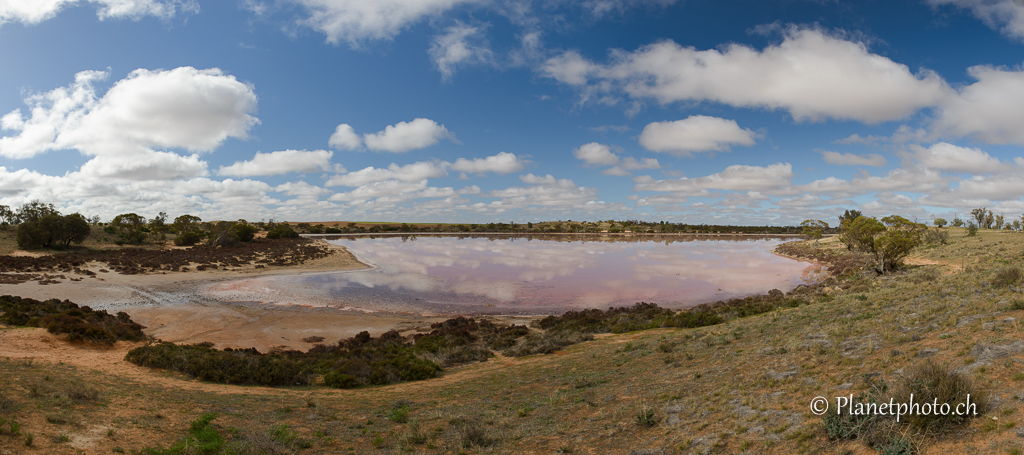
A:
174,307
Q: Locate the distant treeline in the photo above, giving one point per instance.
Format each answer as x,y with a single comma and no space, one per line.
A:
609,226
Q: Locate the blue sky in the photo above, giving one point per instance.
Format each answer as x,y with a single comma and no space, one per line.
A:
697,111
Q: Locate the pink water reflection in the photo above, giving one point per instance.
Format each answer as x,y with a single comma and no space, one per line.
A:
458,275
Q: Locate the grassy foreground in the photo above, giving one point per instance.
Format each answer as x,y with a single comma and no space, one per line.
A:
741,386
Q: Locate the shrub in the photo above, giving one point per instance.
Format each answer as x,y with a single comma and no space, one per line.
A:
931,382
1008,277
972,230
65,317
188,238
130,228
936,236
282,231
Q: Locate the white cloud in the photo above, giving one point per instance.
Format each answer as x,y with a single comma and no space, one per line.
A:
697,133
737,177
415,172
180,108
281,162
502,163
811,74
546,191
988,110
1004,15
144,166
359,21
596,154
345,138
460,45
36,11
850,159
403,137
601,155
949,157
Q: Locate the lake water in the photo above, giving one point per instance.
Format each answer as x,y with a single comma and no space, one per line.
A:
517,275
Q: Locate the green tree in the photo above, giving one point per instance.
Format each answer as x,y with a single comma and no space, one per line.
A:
849,215
896,242
187,223
999,221
7,216
939,222
814,229
53,231
130,227
35,210
957,222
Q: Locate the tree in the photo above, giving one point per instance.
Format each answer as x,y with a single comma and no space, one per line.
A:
814,229
860,233
187,223
849,215
957,222
979,215
940,222
900,237
53,231
888,241
130,227
999,222
7,216
35,210
989,219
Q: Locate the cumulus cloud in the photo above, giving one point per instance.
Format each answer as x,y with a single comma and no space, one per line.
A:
405,136
850,159
144,166
987,110
1006,16
697,133
36,11
345,138
737,177
460,45
949,157
812,75
360,21
281,162
415,172
545,191
180,108
596,154
502,163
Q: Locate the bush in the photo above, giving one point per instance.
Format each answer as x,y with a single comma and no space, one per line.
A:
188,238
65,317
931,382
1008,277
936,236
282,231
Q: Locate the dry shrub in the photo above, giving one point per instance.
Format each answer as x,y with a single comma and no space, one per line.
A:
931,382
1008,277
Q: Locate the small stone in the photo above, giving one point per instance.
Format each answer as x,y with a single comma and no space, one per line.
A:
780,376
673,409
927,352
845,386
672,420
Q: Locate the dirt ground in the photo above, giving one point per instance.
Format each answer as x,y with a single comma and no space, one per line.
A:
174,307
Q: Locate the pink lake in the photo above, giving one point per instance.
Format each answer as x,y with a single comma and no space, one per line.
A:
510,275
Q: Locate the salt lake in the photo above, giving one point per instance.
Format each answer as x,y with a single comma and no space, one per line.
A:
533,274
